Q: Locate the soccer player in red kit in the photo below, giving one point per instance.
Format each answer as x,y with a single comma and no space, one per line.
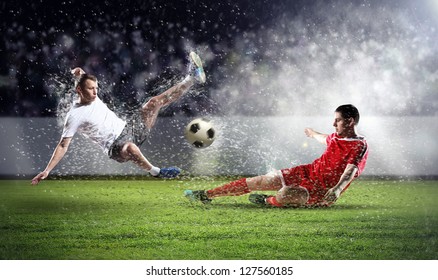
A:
319,183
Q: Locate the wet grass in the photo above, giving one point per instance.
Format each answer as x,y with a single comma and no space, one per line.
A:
150,219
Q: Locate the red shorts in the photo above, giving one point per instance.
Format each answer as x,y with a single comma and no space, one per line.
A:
301,176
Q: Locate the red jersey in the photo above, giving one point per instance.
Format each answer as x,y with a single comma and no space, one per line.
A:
325,172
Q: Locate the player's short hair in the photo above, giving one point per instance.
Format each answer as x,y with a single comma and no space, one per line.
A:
349,111
82,78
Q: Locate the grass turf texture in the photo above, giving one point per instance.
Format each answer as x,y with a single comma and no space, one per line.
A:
150,219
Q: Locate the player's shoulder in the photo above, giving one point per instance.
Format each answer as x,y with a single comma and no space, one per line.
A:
355,140
359,138
359,142
78,111
331,137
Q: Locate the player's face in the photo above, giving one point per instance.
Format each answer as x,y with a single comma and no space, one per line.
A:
88,92
342,125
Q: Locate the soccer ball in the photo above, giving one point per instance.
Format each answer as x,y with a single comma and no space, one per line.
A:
200,133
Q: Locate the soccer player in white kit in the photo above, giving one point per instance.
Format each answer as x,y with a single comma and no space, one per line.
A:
118,138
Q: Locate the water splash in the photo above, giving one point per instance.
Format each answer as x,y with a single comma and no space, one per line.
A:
380,58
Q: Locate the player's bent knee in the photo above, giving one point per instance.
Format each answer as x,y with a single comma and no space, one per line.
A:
129,151
293,196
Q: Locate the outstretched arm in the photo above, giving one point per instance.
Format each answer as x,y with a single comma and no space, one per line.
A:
58,154
320,137
333,194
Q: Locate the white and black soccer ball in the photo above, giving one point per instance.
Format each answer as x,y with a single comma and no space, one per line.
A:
200,133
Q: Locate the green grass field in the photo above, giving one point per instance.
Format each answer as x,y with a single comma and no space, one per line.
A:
151,220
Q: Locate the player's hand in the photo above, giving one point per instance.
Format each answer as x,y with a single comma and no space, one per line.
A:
41,176
332,195
77,71
309,132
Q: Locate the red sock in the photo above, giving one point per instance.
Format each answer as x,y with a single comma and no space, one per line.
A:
272,200
238,187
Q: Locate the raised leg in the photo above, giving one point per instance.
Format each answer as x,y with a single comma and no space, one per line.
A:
151,108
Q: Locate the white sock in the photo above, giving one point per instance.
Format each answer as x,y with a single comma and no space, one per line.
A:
188,79
154,171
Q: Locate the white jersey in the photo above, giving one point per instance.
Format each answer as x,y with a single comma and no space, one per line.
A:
94,121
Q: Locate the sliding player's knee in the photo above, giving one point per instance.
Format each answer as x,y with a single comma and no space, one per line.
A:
293,196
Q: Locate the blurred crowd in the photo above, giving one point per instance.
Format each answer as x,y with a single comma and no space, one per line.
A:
135,48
